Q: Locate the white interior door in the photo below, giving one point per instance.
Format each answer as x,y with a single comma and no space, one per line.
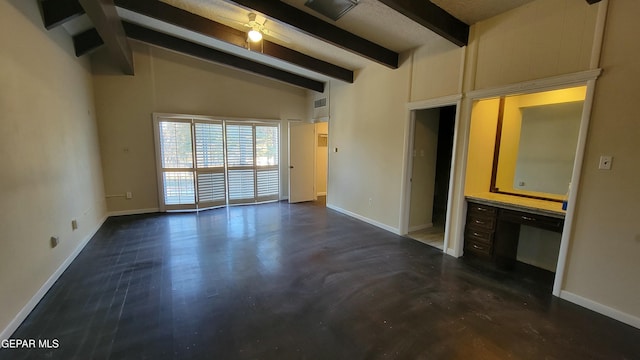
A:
301,162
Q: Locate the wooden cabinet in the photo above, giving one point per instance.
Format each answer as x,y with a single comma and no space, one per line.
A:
480,229
492,232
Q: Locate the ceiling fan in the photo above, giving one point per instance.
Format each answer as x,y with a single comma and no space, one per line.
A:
257,25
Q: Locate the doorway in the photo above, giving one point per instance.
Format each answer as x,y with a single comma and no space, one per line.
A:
430,168
322,162
308,162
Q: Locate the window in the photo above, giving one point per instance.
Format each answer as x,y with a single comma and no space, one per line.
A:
204,163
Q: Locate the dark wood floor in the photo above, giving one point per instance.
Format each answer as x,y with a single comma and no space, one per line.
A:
279,281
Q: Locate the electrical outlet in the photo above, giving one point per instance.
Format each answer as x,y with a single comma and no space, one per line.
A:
129,195
74,224
605,162
54,241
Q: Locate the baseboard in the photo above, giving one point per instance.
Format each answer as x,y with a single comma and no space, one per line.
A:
451,252
35,299
365,219
602,309
322,193
420,227
134,212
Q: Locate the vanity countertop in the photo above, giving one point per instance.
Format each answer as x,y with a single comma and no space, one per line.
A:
518,203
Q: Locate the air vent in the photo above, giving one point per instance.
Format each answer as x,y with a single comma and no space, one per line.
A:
320,103
333,9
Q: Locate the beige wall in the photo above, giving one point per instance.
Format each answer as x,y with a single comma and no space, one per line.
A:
543,39
551,37
603,258
537,40
173,83
322,160
435,70
50,159
423,174
53,162
367,126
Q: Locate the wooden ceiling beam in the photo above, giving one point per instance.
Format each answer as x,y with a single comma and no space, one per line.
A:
434,18
201,25
86,42
57,12
105,18
319,29
186,47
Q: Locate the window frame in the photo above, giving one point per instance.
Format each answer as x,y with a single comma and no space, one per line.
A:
193,120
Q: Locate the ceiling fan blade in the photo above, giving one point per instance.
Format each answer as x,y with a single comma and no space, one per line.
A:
276,35
260,19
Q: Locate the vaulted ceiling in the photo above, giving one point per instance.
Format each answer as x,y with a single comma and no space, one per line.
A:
300,46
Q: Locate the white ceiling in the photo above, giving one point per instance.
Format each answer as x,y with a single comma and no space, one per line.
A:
370,19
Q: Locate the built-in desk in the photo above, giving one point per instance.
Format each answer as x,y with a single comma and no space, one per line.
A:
493,224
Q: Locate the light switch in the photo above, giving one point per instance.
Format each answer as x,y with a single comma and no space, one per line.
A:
605,162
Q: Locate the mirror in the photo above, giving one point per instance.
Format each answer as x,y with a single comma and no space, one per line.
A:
536,140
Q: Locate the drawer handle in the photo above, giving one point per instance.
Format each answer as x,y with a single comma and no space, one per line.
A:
476,234
477,247
481,208
526,218
480,222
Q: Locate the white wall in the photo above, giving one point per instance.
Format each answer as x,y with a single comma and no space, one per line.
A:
173,83
50,158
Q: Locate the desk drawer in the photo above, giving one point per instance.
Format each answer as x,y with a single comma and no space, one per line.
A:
535,220
481,210
478,247
479,236
481,222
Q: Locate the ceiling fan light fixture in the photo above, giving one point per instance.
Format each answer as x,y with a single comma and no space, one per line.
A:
255,35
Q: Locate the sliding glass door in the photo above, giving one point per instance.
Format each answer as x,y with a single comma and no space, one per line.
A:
205,163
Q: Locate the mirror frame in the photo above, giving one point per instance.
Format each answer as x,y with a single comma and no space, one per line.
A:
496,156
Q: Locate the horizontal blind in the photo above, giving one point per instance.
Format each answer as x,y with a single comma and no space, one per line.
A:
240,163
176,159
241,186
179,188
268,183
267,161
239,145
211,189
267,149
175,145
209,145
209,139
208,162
